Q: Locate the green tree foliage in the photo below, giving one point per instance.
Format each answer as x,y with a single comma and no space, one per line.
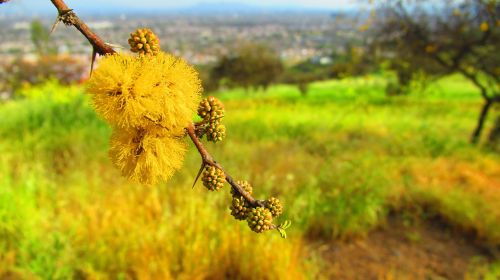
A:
302,74
249,66
356,60
40,36
353,61
47,65
442,38
209,83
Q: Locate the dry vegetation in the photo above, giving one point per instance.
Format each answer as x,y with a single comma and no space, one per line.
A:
342,159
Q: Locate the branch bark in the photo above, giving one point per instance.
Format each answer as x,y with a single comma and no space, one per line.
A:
476,135
68,17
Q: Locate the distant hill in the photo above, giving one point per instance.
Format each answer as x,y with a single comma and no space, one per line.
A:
226,7
221,7
93,7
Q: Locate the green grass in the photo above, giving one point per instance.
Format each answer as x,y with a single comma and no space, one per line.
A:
340,158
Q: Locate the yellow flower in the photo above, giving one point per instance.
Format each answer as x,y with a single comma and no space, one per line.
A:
430,48
142,91
148,100
484,27
146,155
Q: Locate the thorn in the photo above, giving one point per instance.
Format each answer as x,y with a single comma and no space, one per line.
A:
94,54
199,173
63,12
115,46
54,26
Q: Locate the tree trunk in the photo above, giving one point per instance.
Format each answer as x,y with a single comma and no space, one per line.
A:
480,123
494,137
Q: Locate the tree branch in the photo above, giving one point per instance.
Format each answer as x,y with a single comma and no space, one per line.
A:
208,160
455,63
68,17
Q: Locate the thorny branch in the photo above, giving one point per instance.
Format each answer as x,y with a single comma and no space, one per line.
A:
68,17
208,160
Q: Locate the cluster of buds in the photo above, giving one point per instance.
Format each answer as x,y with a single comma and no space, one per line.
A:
274,205
259,216
212,112
144,41
213,178
239,206
216,131
259,219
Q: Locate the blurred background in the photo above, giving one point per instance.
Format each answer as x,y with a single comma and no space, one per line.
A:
375,122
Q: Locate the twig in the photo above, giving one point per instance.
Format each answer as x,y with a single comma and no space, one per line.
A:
68,17
208,160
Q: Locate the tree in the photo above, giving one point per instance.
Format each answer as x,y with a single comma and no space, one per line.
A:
48,64
301,79
445,38
494,135
65,69
40,37
249,66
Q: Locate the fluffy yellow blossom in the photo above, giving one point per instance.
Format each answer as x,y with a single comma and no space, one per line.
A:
148,100
430,48
146,155
141,91
484,27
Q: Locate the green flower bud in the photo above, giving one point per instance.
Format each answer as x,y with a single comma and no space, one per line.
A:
213,178
211,109
245,185
274,205
239,208
144,41
216,132
260,219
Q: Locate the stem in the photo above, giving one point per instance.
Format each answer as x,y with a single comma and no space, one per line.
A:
208,160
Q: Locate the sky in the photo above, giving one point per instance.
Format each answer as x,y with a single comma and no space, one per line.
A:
45,6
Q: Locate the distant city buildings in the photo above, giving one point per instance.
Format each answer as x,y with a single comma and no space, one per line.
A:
199,39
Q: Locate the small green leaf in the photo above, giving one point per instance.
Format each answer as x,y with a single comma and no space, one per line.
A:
281,228
286,224
282,232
